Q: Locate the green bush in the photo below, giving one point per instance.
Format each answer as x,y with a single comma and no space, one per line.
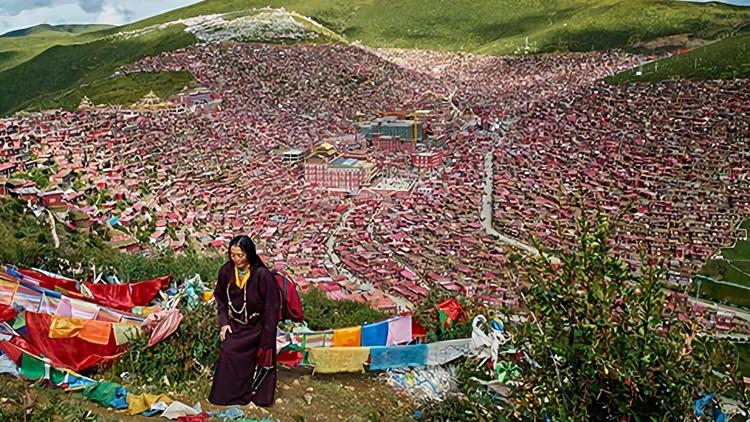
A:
323,313
182,266
186,358
603,345
427,316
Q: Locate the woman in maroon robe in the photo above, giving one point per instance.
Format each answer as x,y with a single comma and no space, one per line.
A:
248,300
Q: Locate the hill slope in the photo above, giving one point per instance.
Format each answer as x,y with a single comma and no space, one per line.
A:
725,59
499,27
44,28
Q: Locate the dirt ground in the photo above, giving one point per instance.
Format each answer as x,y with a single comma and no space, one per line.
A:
300,396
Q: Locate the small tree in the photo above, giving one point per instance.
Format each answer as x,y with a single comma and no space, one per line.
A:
601,344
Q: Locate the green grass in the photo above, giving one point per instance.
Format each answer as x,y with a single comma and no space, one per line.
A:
126,90
734,268
50,65
496,27
725,59
45,29
63,71
725,294
19,46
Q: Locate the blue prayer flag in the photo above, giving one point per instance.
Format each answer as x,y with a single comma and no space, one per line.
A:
375,334
387,357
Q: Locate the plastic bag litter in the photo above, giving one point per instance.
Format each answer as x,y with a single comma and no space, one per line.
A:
433,383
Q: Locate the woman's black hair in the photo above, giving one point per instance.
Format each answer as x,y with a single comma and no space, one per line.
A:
247,246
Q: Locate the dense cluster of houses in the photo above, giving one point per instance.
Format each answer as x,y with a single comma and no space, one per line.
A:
361,171
673,159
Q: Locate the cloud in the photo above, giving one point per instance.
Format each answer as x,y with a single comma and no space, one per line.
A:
14,7
115,14
16,14
91,6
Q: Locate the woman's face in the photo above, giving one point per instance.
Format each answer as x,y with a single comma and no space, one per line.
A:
238,256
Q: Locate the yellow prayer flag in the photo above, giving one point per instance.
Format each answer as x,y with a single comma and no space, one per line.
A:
347,337
139,403
62,327
331,360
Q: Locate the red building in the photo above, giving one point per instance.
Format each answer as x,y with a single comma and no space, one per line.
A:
392,143
6,169
52,199
342,173
427,160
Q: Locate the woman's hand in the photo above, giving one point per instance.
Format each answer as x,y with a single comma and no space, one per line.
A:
223,332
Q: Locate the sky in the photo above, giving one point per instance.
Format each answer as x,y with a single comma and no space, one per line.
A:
16,14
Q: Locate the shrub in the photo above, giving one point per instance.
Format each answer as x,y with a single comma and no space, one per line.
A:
323,313
185,359
603,345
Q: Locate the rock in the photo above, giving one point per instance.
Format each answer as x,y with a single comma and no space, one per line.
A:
308,398
310,389
296,383
285,387
350,387
279,401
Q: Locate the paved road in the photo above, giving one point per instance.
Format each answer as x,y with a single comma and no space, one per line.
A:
726,283
741,313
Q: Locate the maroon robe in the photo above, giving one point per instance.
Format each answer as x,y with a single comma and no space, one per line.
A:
236,365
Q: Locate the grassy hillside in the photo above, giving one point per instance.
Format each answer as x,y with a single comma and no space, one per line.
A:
127,90
35,85
498,27
21,45
734,267
725,59
44,28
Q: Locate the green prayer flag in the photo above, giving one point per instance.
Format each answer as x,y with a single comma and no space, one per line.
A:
32,368
445,321
56,376
102,393
20,321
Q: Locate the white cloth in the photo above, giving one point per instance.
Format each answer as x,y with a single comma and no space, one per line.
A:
442,352
7,366
177,409
486,346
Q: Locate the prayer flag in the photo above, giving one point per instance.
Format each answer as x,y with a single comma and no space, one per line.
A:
375,334
96,332
347,337
449,311
398,357
442,352
399,330
331,360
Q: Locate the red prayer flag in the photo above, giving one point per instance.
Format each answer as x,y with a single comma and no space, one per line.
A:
72,353
7,313
451,308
